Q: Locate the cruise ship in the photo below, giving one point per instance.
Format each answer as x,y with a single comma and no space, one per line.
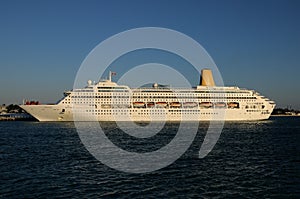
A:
108,101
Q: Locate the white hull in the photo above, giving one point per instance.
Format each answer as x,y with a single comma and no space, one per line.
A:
54,113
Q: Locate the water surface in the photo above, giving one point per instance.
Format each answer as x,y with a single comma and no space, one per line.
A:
251,159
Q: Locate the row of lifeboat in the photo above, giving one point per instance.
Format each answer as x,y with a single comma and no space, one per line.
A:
164,104
186,104
219,105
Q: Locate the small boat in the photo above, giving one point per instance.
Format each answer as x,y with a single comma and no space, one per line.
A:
138,104
206,104
175,104
220,105
190,104
150,104
233,105
161,104
105,106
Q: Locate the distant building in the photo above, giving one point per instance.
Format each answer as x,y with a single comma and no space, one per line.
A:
3,109
290,113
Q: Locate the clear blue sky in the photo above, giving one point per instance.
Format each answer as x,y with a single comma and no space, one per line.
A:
255,44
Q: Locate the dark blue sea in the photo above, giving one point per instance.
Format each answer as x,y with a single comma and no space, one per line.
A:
258,159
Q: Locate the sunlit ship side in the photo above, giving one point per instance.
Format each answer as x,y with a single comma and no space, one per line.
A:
108,101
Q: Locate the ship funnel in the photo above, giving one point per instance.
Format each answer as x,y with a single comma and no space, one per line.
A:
206,78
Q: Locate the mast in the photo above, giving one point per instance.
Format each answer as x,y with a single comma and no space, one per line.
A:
109,76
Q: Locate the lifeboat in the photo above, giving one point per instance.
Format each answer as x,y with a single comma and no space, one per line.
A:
233,105
175,104
190,104
105,106
220,105
161,104
150,104
138,104
206,104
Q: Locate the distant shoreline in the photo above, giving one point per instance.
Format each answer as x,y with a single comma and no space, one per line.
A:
283,115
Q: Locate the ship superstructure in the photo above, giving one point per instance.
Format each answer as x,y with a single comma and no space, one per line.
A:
108,101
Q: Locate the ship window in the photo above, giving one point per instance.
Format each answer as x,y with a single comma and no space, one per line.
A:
63,110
